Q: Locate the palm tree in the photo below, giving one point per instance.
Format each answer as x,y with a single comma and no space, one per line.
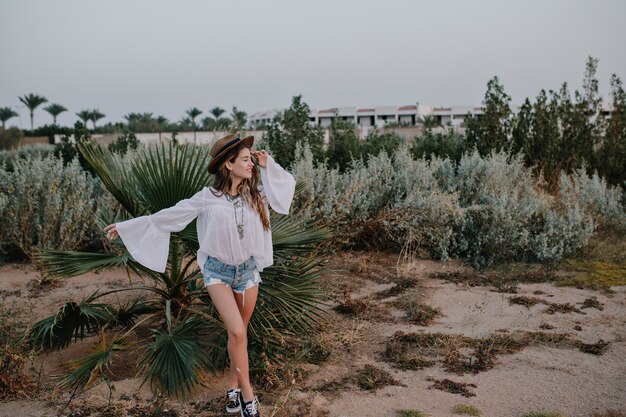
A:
187,336
55,109
6,113
32,101
221,123
240,118
84,116
95,115
193,113
161,122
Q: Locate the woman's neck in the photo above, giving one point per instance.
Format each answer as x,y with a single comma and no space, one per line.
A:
234,186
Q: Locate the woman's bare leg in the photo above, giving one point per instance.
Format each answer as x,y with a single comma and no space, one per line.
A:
245,309
224,301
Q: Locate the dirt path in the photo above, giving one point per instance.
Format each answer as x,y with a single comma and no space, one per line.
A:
548,373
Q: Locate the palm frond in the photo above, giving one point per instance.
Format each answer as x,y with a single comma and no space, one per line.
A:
294,236
68,264
170,173
176,356
84,372
73,320
126,314
112,173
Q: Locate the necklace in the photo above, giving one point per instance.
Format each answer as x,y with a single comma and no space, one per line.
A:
237,203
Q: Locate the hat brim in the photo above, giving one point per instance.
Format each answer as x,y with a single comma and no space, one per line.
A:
217,160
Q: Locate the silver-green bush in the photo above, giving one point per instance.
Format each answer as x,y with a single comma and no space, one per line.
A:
595,197
485,209
47,205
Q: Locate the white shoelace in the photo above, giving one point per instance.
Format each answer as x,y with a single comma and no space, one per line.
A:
251,407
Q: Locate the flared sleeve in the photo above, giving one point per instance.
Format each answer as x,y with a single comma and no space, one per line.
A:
279,186
147,238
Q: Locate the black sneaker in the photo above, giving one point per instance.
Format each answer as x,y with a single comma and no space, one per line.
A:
233,406
250,409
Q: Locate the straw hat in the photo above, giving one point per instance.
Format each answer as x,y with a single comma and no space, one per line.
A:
221,148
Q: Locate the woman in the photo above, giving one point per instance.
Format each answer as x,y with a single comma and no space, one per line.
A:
235,244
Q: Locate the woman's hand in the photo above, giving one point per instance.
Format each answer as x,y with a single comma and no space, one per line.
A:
261,157
111,231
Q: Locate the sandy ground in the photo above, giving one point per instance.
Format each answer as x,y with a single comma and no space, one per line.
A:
538,378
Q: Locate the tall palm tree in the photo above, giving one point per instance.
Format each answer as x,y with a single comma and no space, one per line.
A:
32,101
221,123
193,113
240,119
95,115
84,116
55,109
6,113
187,337
161,122
216,112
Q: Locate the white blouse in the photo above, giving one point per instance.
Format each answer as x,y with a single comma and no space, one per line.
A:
147,237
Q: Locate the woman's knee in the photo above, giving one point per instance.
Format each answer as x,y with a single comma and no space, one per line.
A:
237,334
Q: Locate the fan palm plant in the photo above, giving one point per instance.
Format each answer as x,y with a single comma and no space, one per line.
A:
187,336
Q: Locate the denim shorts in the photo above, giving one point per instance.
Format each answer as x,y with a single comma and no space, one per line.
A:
238,277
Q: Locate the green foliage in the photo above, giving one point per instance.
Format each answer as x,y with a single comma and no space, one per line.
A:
24,152
240,120
73,320
466,409
6,113
67,149
32,101
611,159
124,143
146,122
55,109
343,144
187,335
449,145
49,205
89,369
176,356
291,127
485,209
491,131
377,142
50,131
10,138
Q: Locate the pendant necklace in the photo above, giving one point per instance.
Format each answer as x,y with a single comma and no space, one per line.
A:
237,203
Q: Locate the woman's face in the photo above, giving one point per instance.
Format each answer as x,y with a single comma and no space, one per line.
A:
242,166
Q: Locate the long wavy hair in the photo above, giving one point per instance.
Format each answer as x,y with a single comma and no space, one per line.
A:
248,188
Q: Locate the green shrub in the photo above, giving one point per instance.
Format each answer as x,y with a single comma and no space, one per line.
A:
10,138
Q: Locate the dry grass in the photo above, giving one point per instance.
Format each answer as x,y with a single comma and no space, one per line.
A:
503,278
371,378
469,410
592,302
452,387
410,413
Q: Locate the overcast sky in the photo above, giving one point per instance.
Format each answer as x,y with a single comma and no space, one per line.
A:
164,57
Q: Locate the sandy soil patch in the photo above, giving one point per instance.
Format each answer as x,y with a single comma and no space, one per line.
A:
543,376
